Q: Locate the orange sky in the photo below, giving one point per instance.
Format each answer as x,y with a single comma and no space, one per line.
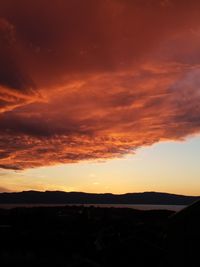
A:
95,80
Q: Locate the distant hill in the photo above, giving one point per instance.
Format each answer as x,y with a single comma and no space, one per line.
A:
59,197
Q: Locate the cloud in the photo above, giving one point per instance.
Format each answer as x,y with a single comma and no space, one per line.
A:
3,189
16,88
94,80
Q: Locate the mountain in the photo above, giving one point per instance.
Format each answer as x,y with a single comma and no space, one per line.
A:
59,197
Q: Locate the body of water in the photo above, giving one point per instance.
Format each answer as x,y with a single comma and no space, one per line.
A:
132,206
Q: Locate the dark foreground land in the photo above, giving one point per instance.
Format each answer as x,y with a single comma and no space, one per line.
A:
88,236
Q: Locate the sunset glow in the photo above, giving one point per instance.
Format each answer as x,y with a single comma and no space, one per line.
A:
100,96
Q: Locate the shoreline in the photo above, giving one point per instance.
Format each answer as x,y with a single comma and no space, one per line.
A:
131,206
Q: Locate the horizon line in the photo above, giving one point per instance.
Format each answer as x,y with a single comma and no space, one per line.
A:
106,193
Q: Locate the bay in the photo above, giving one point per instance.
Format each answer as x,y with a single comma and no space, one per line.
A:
132,206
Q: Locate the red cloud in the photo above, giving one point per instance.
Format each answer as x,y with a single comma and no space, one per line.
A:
85,80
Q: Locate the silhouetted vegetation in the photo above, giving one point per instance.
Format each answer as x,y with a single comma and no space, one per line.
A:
78,236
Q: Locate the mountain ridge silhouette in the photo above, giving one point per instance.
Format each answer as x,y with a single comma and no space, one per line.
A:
61,197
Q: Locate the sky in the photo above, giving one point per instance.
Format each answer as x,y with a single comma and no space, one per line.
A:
100,96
